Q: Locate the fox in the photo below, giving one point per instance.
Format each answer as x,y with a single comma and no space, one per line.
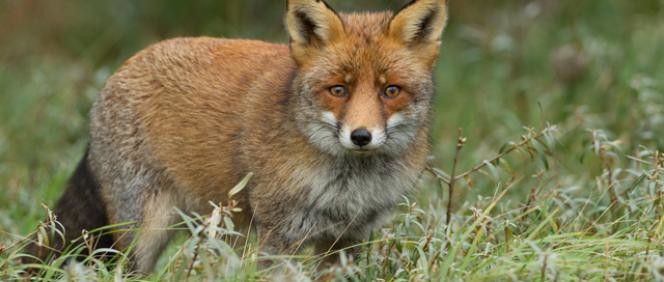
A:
333,126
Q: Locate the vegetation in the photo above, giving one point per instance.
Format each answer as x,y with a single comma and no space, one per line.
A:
546,146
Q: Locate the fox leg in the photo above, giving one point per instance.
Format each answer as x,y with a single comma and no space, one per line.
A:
272,241
153,233
331,250
147,235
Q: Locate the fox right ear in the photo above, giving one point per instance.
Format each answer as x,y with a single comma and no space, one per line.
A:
419,25
421,21
311,24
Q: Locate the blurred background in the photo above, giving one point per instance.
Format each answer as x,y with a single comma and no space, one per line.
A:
505,65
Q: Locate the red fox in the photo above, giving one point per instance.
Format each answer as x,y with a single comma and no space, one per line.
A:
334,127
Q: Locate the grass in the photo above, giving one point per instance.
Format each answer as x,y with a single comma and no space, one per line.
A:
559,177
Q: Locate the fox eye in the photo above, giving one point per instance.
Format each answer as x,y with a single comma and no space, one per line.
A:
392,91
338,91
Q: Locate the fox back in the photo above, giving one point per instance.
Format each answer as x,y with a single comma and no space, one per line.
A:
333,126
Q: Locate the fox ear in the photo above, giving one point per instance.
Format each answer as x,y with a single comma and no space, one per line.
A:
419,22
311,24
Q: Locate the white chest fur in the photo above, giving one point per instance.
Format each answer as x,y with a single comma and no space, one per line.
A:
348,198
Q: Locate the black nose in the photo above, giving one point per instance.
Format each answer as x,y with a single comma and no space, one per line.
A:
360,137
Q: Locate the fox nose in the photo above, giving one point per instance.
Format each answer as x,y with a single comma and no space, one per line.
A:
360,137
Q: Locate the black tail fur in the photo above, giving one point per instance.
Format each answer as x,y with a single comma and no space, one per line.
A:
79,208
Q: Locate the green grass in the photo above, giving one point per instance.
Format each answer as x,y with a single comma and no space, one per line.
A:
572,90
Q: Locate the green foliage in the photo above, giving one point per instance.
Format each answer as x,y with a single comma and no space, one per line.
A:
561,102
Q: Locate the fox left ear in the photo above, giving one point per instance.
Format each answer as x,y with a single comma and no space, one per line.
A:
311,24
420,25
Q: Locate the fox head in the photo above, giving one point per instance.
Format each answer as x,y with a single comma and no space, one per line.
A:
364,81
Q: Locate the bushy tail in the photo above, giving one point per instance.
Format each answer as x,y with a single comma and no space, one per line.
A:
79,208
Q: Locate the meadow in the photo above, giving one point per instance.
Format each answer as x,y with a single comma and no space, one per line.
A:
546,148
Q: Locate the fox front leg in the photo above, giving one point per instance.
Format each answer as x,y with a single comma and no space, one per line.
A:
331,250
275,244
